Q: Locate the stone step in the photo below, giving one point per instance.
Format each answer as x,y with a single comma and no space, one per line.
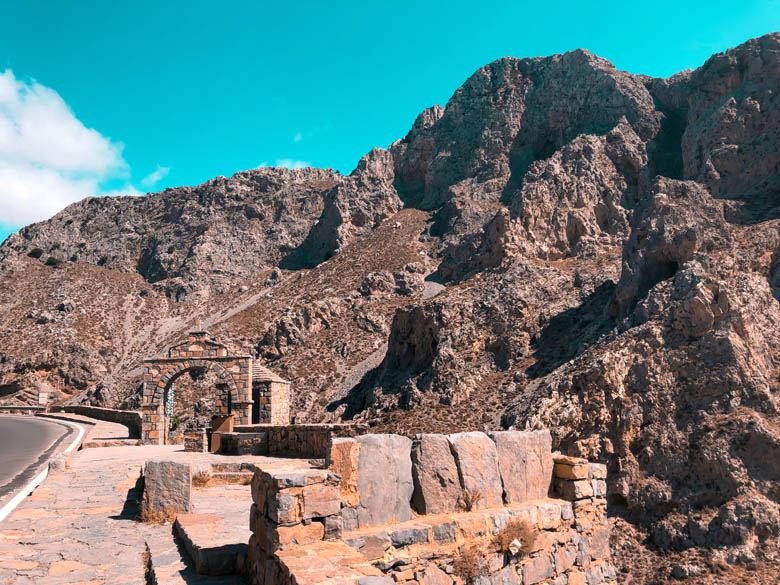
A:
168,564
215,549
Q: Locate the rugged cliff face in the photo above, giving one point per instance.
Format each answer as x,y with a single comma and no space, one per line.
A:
563,245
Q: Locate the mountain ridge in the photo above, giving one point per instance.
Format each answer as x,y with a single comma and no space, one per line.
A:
564,245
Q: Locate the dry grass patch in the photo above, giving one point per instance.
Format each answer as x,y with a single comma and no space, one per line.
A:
469,499
201,478
471,563
518,535
158,516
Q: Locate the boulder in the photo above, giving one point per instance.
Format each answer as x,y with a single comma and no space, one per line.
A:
437,488
525,462
477,460
384,479
167,487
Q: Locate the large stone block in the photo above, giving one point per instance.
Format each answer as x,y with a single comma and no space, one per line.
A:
437,488
477,461
384,479
167,486
537,569
321,500
525,462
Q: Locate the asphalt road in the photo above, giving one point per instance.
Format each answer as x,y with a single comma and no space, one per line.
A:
23,441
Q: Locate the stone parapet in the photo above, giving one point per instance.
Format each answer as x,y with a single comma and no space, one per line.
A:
311,440
132,419
367,496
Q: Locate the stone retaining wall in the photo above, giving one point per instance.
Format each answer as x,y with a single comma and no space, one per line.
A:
285,440
132,419
357,518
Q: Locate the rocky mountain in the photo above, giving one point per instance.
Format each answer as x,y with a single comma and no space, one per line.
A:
563,245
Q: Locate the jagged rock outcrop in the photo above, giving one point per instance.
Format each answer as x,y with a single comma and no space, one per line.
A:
563,245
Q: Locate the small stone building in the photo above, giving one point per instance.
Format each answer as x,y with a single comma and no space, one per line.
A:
271,397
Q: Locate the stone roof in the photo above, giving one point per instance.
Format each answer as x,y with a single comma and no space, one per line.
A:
263,374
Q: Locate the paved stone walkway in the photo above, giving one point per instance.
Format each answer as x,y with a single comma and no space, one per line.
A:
79,527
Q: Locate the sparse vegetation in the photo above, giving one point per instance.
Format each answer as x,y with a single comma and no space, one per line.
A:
471,563
158,516
201,478
469,499
518,530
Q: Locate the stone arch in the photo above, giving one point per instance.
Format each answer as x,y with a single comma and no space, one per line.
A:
165,381
199,350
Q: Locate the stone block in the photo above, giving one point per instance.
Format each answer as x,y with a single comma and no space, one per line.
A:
333,527
167,486
301,533
593,575
472,526
537,570
509,576
525,463
599,487
409,535
598,471
384,479
574,490
284,507
444,532
599,544
437,488
549,515
579,471
343,459
577,578
477,460
320,500
564,558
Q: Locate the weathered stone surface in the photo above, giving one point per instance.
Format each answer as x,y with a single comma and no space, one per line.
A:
477,461
343,460
437,488
384,479
537,569
320,500
435,576
284,507
167,486
409,535
444,532
525,463
564,558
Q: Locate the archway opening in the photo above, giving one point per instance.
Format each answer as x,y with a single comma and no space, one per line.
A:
191,399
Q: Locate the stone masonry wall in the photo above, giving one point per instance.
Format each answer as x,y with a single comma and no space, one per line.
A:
362,516
132,419
286,440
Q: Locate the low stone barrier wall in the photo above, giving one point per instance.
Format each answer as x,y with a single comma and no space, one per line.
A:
293,440
132,419
21,409
471,492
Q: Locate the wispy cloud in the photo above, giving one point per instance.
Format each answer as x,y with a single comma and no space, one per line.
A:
298,137
48,158
287,163
155,177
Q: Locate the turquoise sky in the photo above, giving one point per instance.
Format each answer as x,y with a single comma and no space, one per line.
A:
211,88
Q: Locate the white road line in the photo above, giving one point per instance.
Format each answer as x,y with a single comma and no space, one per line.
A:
28,489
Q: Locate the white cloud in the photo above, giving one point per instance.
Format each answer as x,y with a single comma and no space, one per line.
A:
287,163
48,158
154,177
298,137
